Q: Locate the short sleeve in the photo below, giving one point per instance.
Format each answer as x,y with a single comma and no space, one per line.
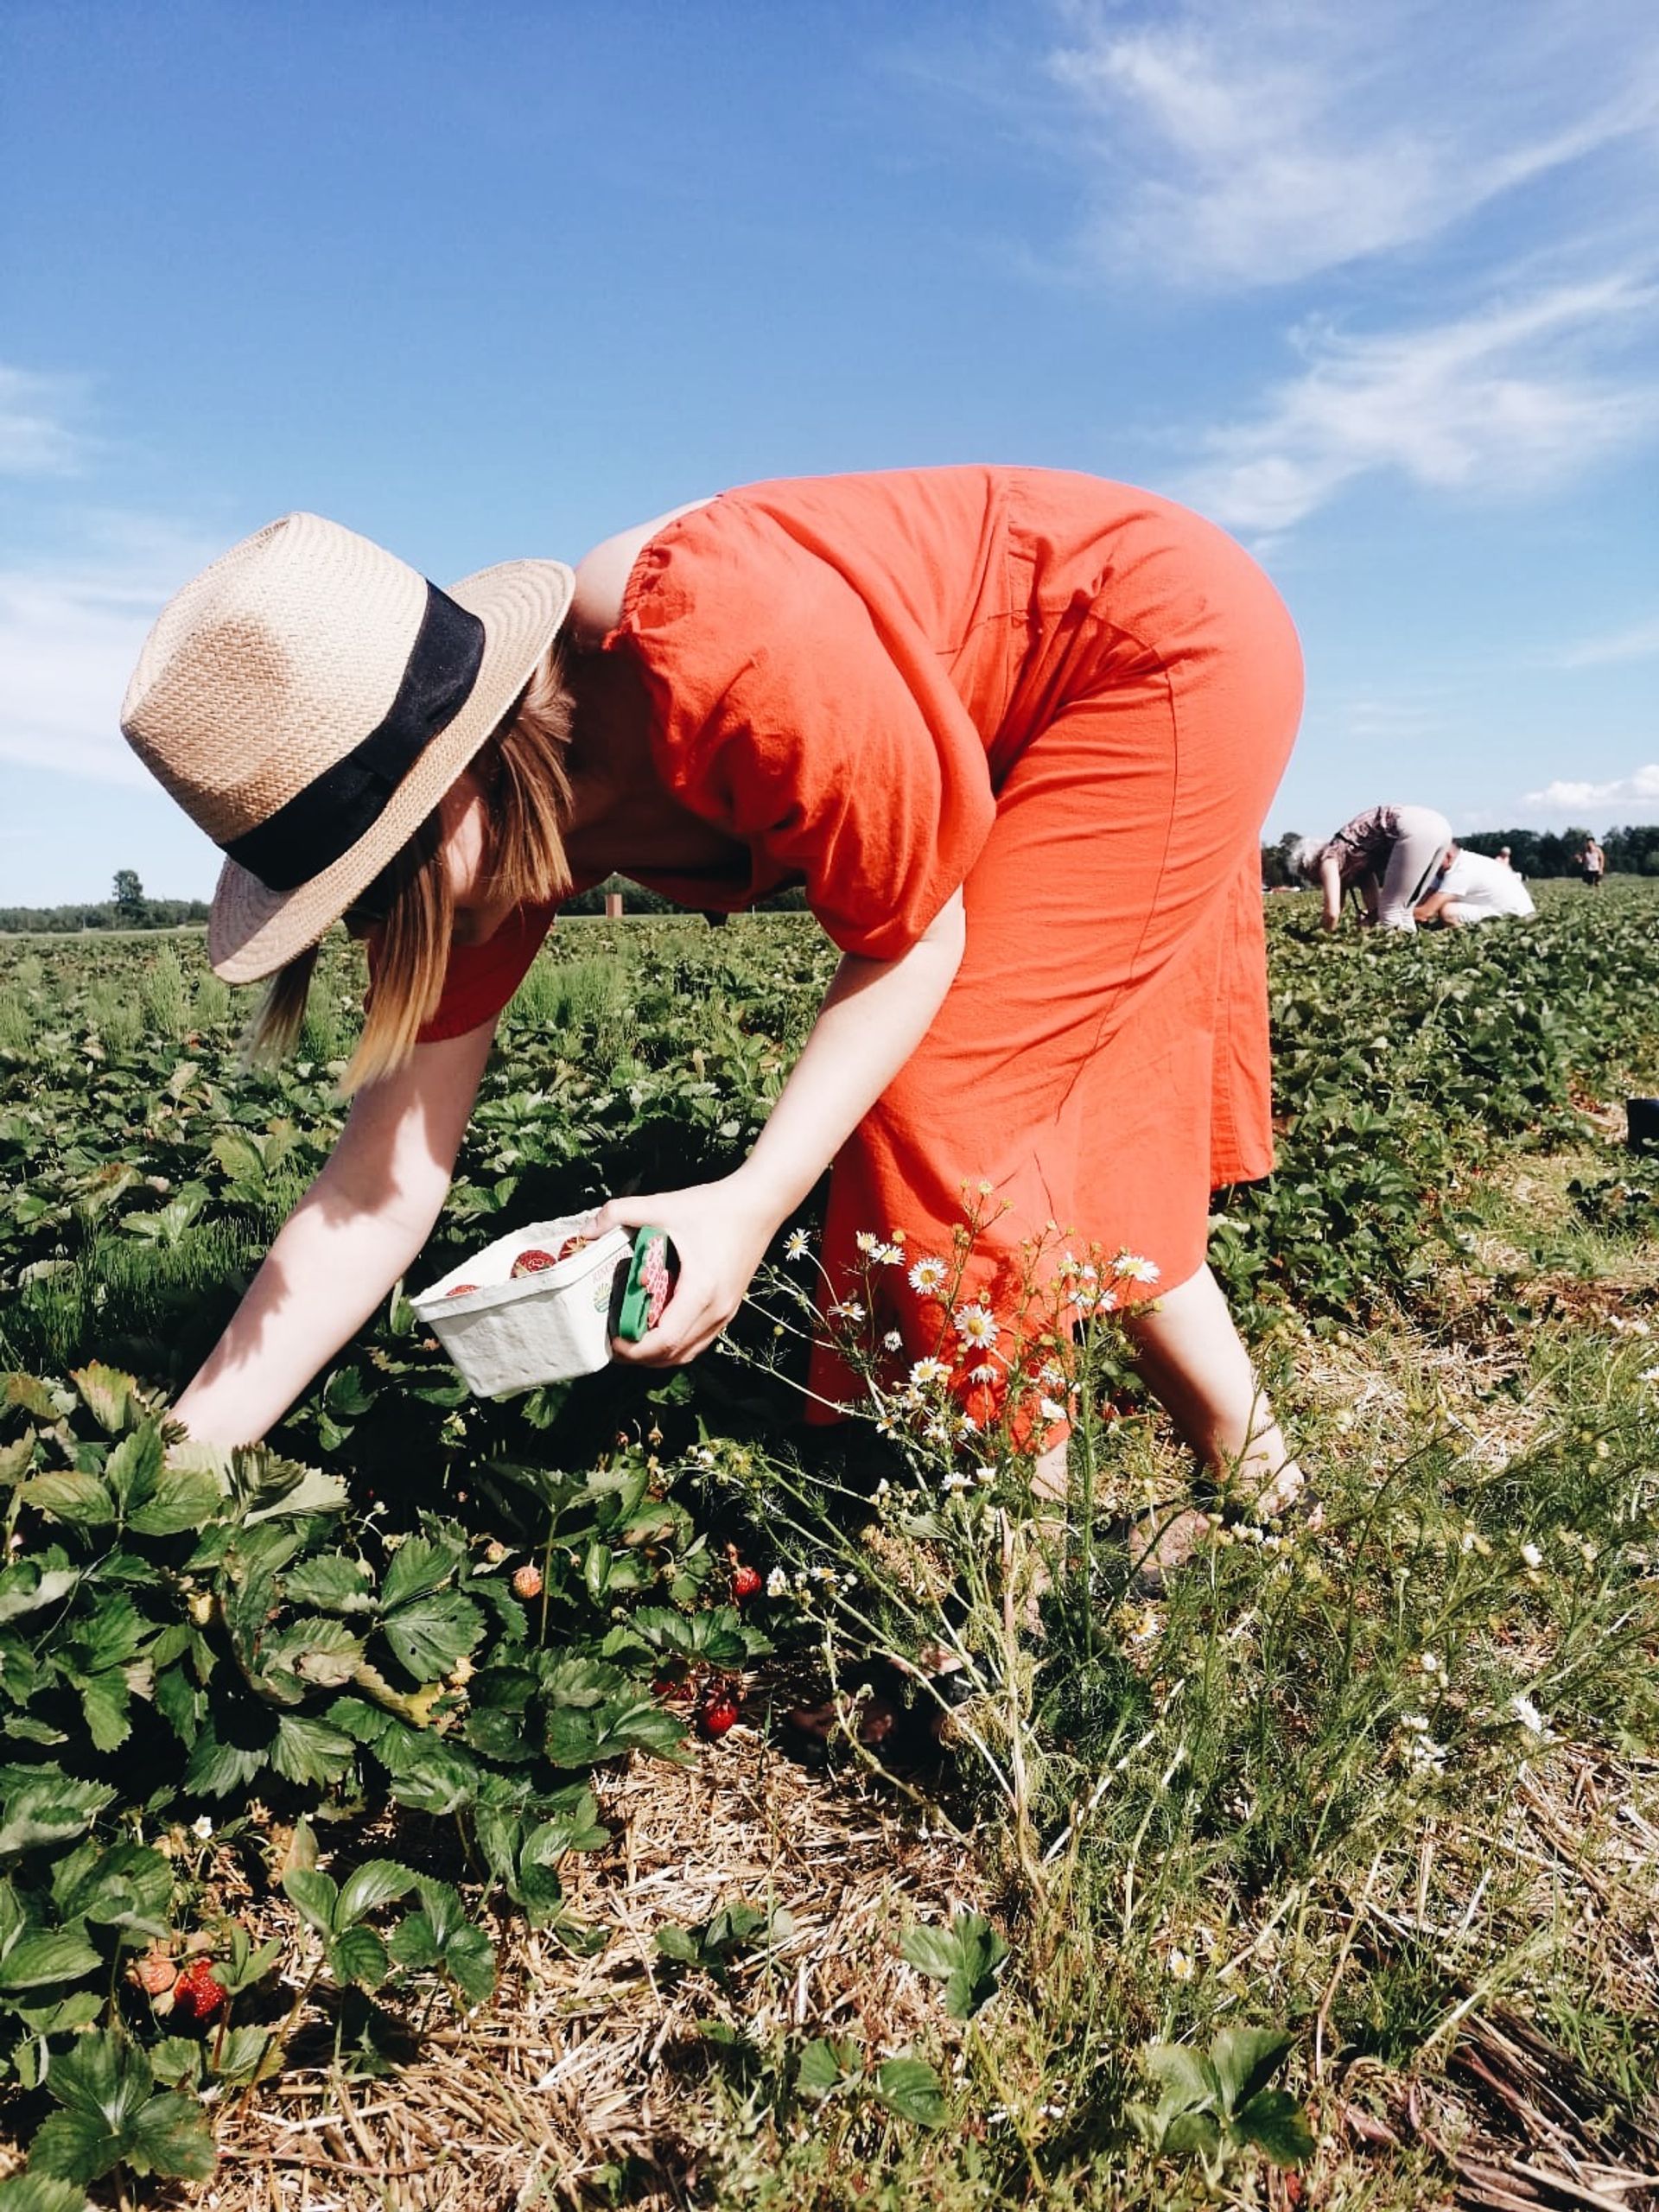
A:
481,978
784,714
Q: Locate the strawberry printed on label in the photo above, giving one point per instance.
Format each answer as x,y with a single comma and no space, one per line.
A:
654,1279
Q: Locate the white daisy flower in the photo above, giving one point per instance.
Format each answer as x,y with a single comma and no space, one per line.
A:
1051,1375
888,1255
956,1480
1531,1556
1527,1715
928,1372
977,1326
866,1240
1134,1269
985,1372
847,1309
777,1583
797,1245
1050,1410
929,1275
893,1341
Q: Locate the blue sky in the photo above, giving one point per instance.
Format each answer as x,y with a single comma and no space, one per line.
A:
1378,288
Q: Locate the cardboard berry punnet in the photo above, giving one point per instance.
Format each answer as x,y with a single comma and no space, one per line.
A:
540,1305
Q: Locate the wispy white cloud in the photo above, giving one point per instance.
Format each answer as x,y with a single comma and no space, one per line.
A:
38,436
1512,396
1570,796
1237,145
1639,642
70,631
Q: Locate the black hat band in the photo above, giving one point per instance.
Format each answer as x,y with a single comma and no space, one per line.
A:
310,831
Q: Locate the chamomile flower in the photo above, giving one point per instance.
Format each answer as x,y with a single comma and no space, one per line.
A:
956,1479
866,1242
847,1309
777,1583
1050,1410
888,1255
977,1326
893,1341
1527,1715
985,1372
1531,1556
797,1245
1134,1269
927,1373
929,1275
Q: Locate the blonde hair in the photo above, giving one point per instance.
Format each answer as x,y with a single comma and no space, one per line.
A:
408,911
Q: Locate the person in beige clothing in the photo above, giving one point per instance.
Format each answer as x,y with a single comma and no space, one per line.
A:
1388,854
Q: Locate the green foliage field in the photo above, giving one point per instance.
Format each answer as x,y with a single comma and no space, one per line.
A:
394,1663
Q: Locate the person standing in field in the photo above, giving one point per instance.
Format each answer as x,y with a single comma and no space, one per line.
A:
1016,730
1388,855
1593,860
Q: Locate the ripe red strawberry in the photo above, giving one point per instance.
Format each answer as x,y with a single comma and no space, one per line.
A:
527,1579
460,1290
674,1688
746,1582
197,1994
718,1711
533,1262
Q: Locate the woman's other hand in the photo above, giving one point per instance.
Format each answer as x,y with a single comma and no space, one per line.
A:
719,1232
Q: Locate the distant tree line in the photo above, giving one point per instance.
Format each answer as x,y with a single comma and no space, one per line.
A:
636,900
126,908
1633,851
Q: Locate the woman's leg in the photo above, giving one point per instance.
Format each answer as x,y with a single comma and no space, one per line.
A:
1195,1363
1424,837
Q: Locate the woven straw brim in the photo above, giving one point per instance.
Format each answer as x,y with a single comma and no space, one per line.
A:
253,931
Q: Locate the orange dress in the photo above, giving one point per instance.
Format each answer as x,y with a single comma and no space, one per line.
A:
1071,699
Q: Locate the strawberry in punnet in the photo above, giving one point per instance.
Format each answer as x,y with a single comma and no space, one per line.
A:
532,1262
718,1712
527,1579
197,1994
746,1582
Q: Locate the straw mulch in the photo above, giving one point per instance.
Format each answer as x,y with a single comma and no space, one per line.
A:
579,2065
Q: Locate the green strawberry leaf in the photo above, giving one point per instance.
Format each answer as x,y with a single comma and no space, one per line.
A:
911,2089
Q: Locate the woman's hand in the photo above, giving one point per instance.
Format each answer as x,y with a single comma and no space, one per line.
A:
719,1232
874,1014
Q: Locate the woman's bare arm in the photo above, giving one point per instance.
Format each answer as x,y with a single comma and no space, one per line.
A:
1330,886
874,1014
350,1237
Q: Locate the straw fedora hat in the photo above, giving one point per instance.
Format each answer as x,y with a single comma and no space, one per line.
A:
309,699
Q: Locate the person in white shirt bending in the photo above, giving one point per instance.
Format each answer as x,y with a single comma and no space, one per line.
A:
1472,888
